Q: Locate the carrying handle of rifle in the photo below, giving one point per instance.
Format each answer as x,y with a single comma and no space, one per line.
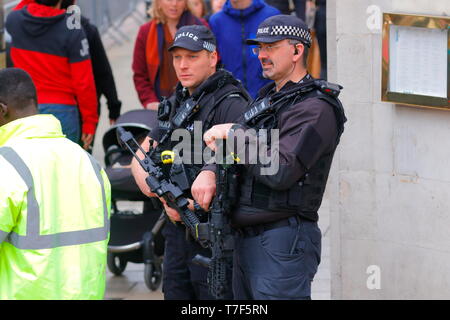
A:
127,137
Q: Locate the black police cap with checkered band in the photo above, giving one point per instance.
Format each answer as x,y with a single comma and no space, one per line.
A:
282,27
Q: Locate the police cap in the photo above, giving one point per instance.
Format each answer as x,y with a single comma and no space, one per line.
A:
280,27
194,38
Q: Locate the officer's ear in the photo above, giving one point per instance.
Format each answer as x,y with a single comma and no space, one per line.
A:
299,49
214,59
3,113
3,109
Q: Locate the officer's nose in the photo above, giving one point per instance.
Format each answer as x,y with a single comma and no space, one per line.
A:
262,55
184,64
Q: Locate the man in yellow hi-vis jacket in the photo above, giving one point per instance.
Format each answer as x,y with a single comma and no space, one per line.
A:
54,204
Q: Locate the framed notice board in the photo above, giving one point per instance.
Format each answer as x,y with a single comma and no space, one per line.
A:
415,60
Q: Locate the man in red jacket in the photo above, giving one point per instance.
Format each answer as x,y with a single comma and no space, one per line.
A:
52,47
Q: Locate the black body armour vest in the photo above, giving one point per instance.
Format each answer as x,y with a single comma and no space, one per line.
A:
180,111
304,197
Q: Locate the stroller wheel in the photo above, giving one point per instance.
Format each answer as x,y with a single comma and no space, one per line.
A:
116,264
152,275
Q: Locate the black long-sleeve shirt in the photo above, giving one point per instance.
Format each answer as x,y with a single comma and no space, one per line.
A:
307,131
103,75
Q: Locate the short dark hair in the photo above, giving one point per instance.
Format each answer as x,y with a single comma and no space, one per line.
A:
50,3
17,88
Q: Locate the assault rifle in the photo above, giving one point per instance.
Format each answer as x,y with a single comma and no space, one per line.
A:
219,230
216,233
163,187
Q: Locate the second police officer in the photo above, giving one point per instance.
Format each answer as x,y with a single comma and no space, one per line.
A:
204,95
278,241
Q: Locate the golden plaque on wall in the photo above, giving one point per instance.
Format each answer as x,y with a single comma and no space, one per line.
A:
416,58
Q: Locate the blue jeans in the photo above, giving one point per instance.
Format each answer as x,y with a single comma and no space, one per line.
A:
68,116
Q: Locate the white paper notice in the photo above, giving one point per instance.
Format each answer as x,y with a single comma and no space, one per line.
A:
418,61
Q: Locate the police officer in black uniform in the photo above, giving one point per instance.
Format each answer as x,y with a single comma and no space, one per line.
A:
277,241
204,97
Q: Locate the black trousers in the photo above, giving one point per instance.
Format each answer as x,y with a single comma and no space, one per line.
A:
183,279
277,264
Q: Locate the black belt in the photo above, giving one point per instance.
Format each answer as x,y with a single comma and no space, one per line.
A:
253,231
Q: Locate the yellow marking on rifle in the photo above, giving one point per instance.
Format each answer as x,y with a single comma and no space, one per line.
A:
167,157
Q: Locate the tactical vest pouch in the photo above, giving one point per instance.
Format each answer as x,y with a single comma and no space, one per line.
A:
277,200
164,110
266,198
246,192
295,195
233,186
185,112
314,185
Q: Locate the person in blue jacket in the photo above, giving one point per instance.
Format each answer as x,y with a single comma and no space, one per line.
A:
238,21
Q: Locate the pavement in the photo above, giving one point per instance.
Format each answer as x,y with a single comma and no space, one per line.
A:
130,285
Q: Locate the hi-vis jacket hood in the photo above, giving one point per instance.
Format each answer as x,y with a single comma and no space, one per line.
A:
26,128
54,214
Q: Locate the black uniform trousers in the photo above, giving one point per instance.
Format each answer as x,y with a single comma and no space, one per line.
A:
276,264
183,279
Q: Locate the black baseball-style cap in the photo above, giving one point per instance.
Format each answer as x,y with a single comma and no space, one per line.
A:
194,38
282,27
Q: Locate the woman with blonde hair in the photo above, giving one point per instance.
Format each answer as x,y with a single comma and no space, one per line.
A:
153,73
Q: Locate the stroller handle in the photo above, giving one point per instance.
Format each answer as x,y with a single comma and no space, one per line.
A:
126,248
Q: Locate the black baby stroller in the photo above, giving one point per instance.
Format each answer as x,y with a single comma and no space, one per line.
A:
135,236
